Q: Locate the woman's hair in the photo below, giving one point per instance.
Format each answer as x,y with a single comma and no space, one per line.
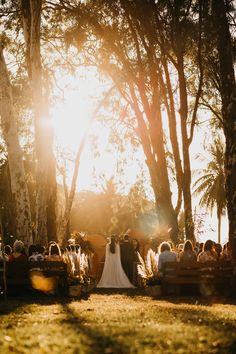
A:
40,249
7,249
54,250
208,245
18,246
32,249
188,246
164,246
113,244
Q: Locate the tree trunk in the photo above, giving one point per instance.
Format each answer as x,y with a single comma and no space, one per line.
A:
65,222
189,226
170,106
19,188
219,227
46,195
157,166
228,96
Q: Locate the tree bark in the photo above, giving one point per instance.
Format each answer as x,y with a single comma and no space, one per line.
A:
189,226
228,96
219,228
45,167
170,107
19,187
157,166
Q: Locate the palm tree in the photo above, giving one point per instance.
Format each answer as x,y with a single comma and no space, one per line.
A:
211,185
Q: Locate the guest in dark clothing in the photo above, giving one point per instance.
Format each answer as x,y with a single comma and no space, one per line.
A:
218,249
127,256
7,251
18,253
136,279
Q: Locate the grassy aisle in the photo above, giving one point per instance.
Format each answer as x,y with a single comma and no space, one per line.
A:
117,323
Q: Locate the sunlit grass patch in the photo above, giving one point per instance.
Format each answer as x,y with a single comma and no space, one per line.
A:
119,324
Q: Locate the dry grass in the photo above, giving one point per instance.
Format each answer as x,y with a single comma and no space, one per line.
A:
117,323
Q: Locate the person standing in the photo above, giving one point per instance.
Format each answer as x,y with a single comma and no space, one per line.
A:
127,257
113,275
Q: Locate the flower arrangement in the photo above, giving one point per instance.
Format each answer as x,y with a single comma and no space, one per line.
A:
148,271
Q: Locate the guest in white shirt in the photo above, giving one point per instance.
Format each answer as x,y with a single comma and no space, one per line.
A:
165,255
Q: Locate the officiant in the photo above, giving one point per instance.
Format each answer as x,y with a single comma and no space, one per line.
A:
127,255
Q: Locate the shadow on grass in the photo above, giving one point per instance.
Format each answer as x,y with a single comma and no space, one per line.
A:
97,342
226,342
189,298
16,302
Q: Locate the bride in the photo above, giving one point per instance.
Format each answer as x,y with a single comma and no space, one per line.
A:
113,275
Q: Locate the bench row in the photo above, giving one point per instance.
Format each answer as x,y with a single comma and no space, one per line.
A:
26,275
206,277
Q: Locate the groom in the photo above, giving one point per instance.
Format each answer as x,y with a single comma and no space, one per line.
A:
127,256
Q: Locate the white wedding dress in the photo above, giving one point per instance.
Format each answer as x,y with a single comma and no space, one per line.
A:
113,275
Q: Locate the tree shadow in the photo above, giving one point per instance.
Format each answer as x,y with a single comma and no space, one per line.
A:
202,318
97,341
188,298
12,303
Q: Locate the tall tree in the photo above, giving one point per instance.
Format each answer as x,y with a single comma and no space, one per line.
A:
228,97
46,177
211,185
139,56
19,188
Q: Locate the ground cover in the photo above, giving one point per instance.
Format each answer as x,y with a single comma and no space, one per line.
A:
117,323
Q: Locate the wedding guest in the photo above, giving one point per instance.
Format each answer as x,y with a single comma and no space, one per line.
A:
8,251
32,250
2,254
218,249
200,248
208,253
36,253
188,254
226,254
165,255
18,253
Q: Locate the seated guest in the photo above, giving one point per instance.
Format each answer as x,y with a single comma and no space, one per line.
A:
18,253
200,248
218,249
54,253
165,255
226,254
36,253
7,251
188,254
32,251
208,254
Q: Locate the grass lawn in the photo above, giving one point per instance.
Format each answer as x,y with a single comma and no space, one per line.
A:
117,323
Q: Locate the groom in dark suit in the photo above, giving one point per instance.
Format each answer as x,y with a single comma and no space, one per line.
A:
127,256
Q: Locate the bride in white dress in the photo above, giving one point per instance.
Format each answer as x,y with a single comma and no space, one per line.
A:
113,275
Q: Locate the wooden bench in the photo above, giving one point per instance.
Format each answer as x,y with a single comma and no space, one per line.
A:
23,276
203,277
